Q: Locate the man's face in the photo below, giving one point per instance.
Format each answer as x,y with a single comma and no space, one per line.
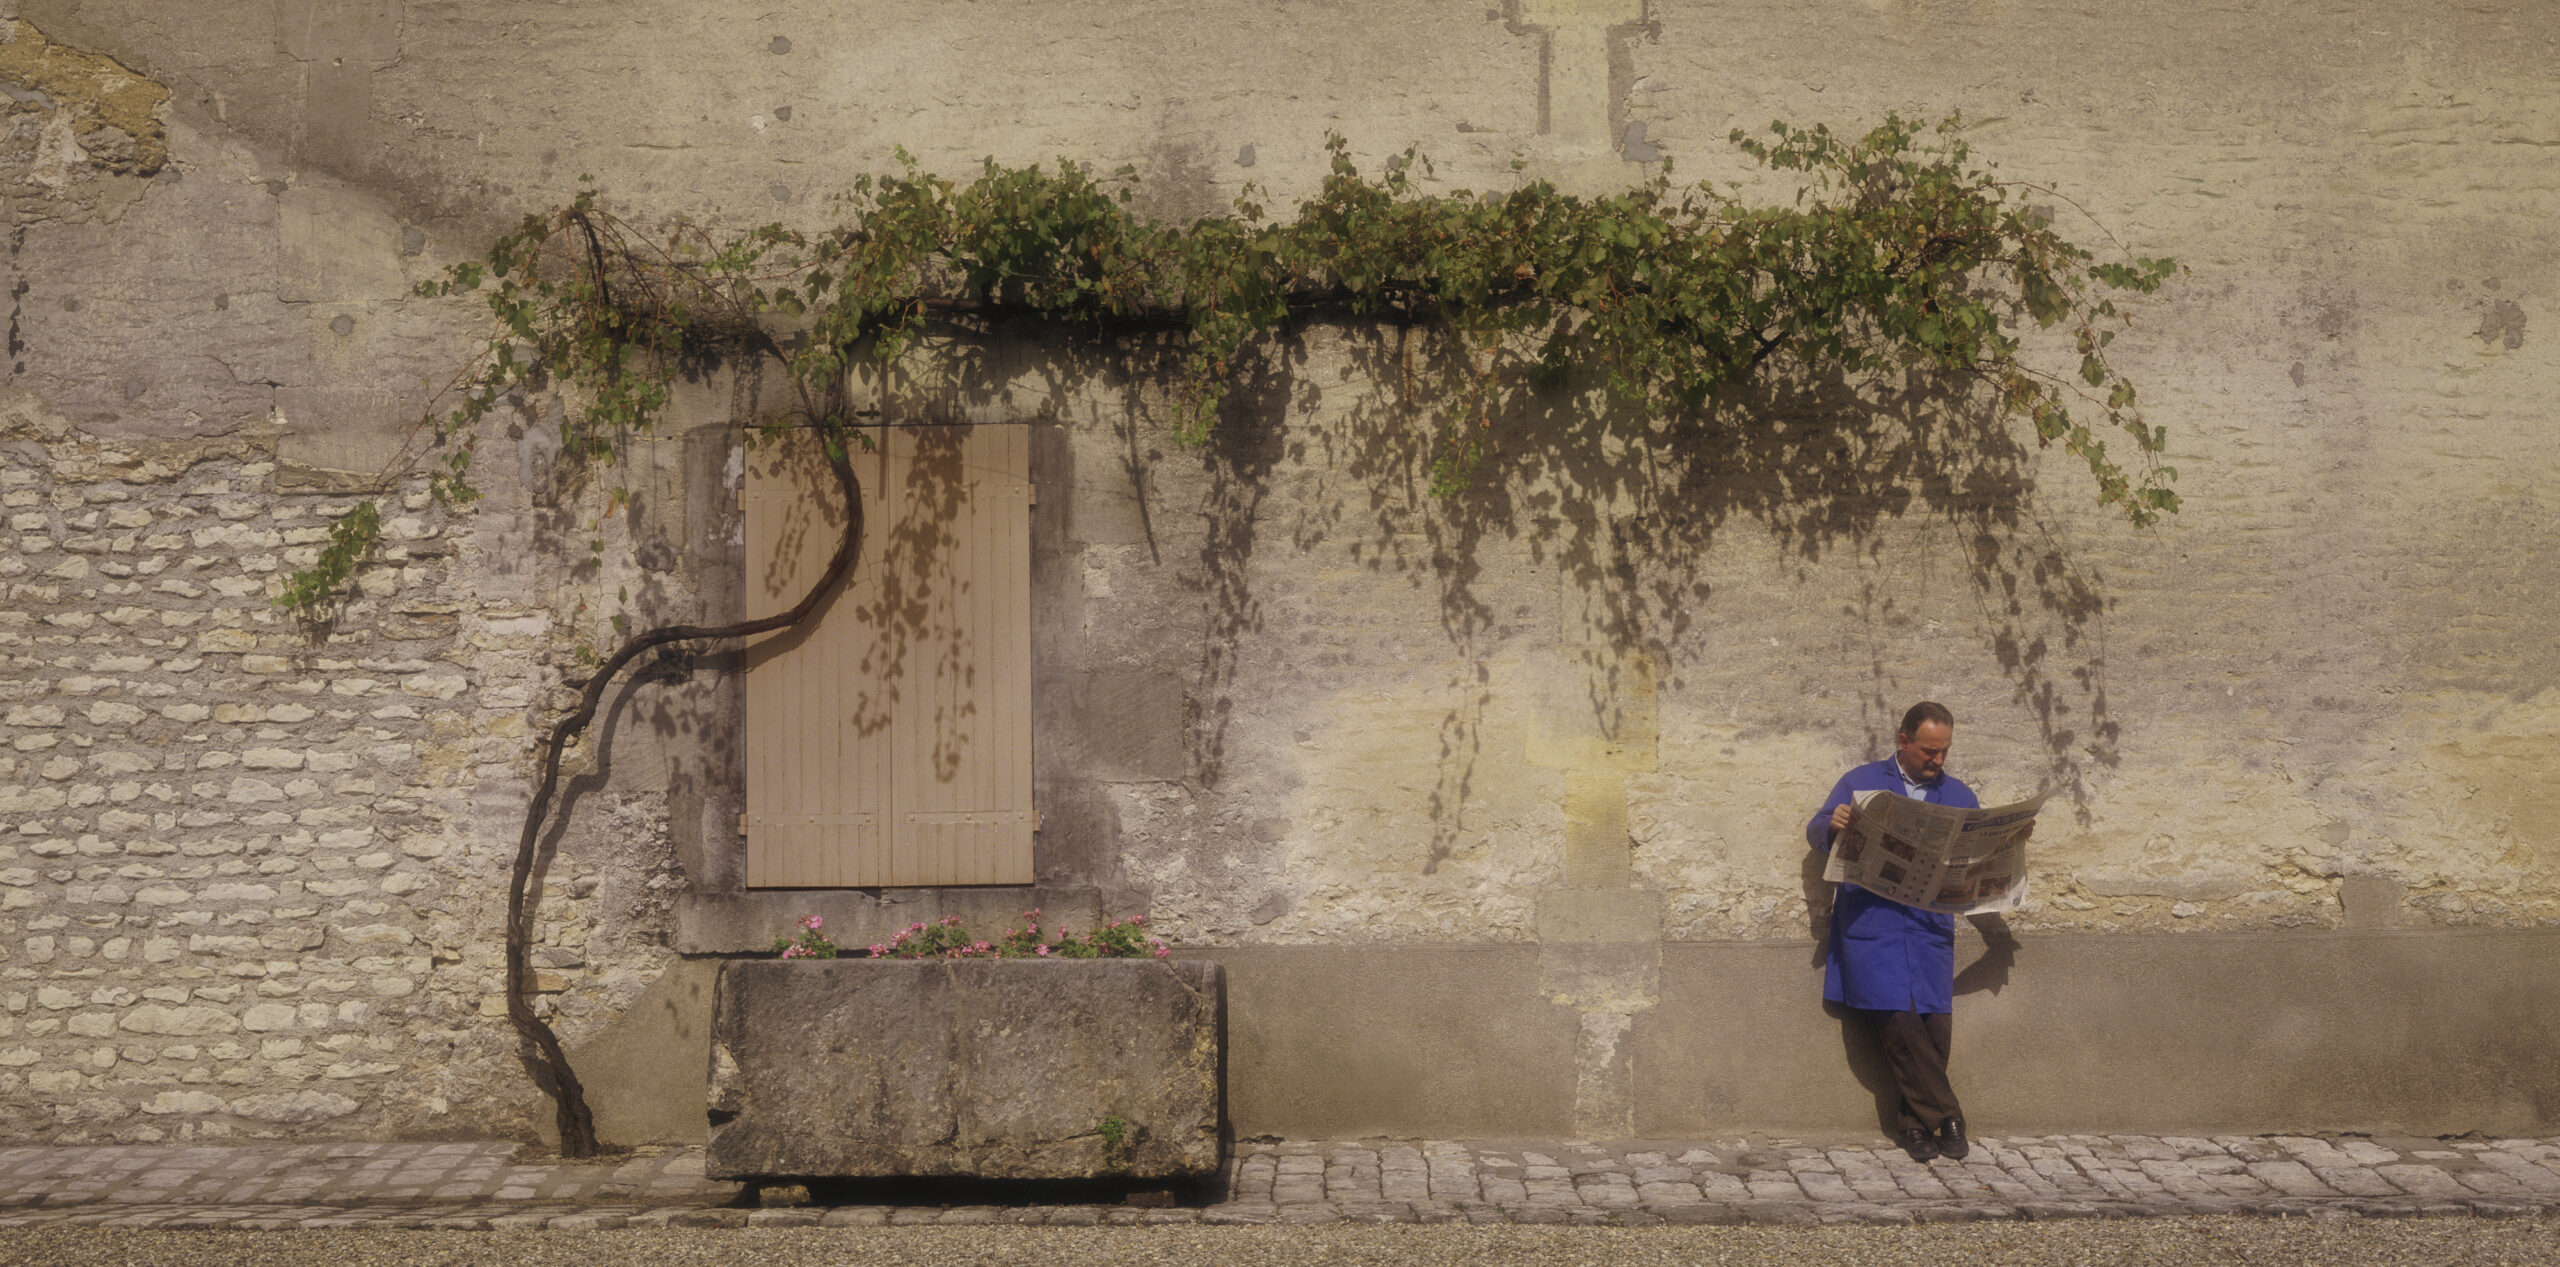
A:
1923,752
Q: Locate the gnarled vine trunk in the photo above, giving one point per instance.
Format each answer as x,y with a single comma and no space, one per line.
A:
549,1063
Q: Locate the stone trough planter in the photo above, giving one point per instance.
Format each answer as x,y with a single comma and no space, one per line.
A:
991,1068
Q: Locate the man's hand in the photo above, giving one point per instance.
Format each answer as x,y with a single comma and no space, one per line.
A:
1842,817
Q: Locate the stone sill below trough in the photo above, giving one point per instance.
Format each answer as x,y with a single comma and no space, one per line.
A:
746,922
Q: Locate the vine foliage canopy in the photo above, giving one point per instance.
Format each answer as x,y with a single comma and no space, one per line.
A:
1899,250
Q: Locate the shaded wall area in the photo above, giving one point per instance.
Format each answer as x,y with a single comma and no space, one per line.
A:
2418,1032
2413,1032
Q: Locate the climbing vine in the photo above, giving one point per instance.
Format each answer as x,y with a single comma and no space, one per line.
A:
1898,251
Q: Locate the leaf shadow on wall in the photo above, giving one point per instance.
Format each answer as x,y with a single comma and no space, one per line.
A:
1623,508
1626,509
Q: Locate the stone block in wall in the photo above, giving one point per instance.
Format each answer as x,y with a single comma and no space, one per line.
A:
2369,902
1000,1069
1079,837
338,439
1109,505
1600,948
1116,726
338,246
1595,708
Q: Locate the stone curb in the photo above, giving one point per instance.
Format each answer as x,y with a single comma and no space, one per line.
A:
1751,1181
838,1217
559,1218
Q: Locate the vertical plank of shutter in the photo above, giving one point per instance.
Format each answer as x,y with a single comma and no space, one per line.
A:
816,669
788,515
980,712
763,777
817,707
814,742
791,737
919,581
1009,669
813,738
971,716
946,780
871,678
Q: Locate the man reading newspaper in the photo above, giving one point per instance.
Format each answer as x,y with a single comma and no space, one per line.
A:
1892,963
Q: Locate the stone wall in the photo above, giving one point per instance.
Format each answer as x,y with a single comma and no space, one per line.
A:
252,873
255,865
230,862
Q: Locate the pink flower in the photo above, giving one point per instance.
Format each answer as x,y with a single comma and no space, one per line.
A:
1137,919
1163,951
878,949
812,923
1044,952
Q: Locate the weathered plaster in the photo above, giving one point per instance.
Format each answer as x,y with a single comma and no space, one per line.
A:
92,111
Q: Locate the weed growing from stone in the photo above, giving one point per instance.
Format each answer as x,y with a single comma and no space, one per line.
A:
808,943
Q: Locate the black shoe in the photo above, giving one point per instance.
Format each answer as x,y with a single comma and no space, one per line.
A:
1951,1143
1917,1143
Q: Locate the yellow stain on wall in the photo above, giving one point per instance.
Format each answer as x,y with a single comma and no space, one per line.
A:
91,85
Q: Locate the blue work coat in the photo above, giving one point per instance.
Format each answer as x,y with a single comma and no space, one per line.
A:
1885,956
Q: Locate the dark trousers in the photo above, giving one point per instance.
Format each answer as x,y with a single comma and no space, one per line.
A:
1915,1053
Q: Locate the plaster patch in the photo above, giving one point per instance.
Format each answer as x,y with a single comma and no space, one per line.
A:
1603,1104
1719,829
2490,761
1417,817
2503,325
90,92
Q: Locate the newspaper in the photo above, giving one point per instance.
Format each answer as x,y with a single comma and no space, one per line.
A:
1936,857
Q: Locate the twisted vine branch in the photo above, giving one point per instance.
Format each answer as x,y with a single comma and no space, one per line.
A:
551,1070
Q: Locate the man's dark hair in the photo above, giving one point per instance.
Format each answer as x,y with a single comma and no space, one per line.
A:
1926,711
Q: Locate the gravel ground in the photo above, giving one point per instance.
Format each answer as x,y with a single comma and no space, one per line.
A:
2183,1241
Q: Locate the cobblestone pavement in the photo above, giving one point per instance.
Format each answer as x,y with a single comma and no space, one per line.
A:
1753,1180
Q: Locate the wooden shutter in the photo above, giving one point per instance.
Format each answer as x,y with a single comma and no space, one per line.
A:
889,742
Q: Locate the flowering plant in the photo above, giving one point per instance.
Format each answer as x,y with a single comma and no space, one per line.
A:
947,939
808,943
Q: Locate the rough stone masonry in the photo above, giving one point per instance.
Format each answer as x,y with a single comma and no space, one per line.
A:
1489,806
